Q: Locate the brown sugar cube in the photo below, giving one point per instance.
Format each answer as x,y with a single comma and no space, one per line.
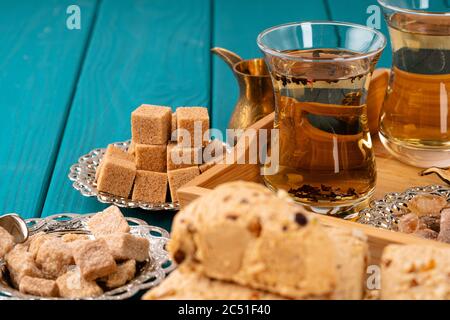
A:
98,171
54,257
151,124
116,177
6,242
110,220
151,157
131,149
20,263
125,272
38,287
36,241
73,285
72,237
179,157
113,152
173,131
124,246
178,178
427,204
150,187
94,259
188,119
214,151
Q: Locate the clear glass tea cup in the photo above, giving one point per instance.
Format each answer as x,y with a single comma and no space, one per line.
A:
321,73
415,118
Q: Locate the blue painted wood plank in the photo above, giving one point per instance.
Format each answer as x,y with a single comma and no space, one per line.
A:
236,26
362,12
141,52
39,64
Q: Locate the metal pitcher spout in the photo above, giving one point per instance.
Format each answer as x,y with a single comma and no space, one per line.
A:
256,98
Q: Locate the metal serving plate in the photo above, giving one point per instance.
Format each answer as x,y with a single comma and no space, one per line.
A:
83,176
149,274
386,212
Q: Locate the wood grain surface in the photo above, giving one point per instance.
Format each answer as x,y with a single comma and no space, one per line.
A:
140,52
39,64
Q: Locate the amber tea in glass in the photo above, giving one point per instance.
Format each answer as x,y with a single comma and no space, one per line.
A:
321,72
415,118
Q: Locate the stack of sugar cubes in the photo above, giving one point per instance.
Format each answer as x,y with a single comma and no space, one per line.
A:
159,155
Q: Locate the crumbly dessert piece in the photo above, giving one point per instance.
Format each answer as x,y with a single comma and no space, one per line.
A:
94,259
124,246
178,178
427,204
188,285
263,241
150,187
20,263
73,285
413,272
54,257
444,233
124,273
6,242
352,254
151,124
110,220
38,287
179,157
192,124
72,237
151,157
116,177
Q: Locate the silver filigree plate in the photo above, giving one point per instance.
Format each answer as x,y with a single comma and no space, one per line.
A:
149,274
83,176
385,213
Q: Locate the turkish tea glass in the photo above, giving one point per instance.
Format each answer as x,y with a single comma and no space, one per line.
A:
321,73
415,118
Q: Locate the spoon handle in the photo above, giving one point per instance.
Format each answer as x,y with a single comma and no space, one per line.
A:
444,174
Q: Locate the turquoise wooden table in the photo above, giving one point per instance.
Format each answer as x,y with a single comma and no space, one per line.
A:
64,92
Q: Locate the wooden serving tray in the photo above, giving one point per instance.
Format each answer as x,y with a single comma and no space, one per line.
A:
393,176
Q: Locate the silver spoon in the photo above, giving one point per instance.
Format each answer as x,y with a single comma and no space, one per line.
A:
16,226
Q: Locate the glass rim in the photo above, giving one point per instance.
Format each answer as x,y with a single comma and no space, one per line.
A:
357,56
385,4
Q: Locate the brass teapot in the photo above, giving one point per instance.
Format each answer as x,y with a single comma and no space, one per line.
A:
256,98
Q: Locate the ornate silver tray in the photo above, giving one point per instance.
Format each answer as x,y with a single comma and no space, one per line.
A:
386,212
83,176
148,275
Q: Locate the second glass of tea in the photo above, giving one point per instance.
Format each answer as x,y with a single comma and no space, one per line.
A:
415,118
321,73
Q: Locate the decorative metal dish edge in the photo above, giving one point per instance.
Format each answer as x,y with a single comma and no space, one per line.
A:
151,273
82,174
384,213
